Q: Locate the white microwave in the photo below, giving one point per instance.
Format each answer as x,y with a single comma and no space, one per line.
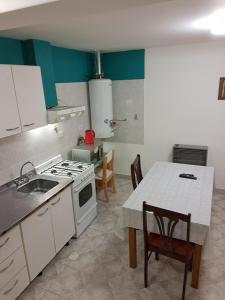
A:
87,153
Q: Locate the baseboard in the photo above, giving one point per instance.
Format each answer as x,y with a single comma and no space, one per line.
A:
123,176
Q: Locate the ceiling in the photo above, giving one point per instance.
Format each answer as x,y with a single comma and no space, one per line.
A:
112,24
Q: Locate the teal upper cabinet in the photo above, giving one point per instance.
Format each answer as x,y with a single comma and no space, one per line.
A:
124,65
11,52
39,53
71,65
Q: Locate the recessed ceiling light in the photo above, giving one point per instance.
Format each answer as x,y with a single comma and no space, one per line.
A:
215,23
10,5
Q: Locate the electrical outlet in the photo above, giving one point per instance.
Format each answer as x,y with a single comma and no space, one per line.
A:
59,129
135,117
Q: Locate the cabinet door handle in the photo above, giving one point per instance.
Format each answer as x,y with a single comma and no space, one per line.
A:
6,268
27,125
44,212
9,290
5,242
11,129
54,203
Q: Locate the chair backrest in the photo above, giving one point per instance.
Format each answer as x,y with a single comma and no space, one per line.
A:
136,173
166,221
108,162
109,156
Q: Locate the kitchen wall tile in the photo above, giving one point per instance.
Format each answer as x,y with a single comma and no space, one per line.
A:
128,102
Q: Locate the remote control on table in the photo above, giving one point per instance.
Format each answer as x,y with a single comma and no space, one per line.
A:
188,176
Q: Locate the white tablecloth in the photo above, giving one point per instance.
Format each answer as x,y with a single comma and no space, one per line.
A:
162,187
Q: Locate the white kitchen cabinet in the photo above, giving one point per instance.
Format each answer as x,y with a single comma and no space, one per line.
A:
62,218
9,242
38,240
15,286
13,270
47,230
11,266
9,114
30,96
22,99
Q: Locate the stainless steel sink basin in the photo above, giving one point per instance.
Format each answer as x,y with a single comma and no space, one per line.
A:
39,186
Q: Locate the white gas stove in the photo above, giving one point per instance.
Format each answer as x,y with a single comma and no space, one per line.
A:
84,193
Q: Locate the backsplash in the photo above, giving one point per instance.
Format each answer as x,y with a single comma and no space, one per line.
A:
41,144
128,102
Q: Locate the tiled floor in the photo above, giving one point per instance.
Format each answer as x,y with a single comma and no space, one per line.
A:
95,267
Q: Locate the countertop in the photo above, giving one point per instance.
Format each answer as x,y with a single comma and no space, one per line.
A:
16,206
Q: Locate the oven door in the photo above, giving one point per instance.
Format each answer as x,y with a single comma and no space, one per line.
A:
85,200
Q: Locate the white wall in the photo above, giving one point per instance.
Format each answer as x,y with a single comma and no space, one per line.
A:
181,103
181,106
41,144
124,155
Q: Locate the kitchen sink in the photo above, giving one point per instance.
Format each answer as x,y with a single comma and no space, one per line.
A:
39,186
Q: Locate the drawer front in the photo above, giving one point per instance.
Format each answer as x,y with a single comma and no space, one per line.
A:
16,285
9,242
11,266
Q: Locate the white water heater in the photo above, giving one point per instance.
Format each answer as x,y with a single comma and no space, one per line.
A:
100,91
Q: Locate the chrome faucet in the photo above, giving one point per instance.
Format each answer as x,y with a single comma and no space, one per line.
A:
26,163
23,178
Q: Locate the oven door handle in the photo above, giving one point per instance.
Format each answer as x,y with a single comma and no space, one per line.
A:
84,183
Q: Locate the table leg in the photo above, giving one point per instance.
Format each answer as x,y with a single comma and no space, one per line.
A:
132,247
196,266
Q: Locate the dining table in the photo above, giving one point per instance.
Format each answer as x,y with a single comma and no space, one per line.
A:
163,187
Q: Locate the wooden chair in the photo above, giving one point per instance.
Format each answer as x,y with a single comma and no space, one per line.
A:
136,173
106,174
164,243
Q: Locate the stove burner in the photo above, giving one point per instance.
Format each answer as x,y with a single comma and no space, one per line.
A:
64,164
53,171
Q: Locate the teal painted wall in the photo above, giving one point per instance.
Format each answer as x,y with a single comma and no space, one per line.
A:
39,53
71,65
11,52
124,65
68,65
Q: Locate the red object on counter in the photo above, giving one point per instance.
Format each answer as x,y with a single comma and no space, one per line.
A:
89,137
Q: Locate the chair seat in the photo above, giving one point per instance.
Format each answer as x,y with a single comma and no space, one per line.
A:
99,174
178,246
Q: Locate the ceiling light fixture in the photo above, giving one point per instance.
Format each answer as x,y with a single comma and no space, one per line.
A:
10,5
215,23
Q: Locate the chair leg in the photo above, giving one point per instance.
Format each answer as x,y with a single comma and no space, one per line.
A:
185,281
191,265
157,256
105,191
146,269
113,184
